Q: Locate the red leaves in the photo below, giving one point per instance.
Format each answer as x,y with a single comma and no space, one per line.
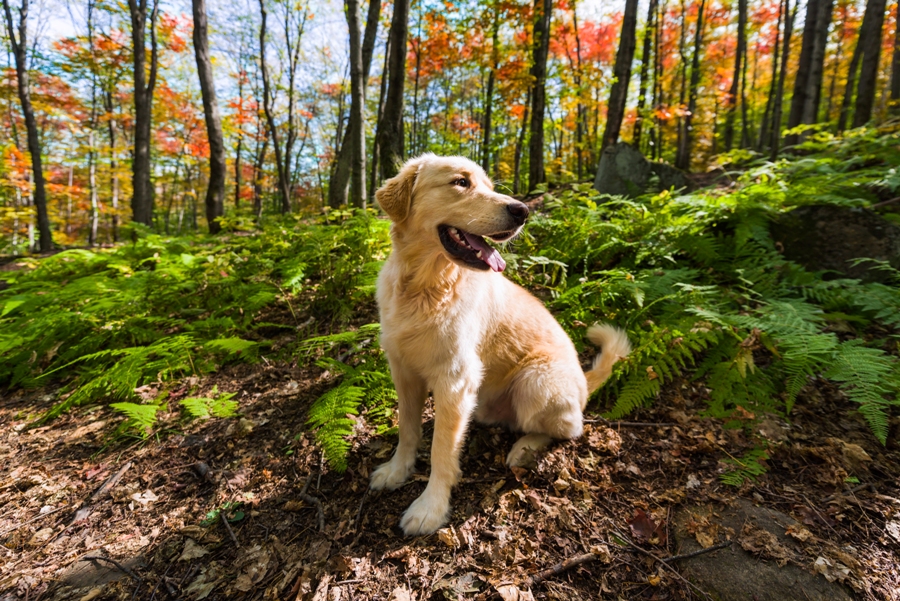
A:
644,529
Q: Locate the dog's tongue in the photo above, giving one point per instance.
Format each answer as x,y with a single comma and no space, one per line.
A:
488,254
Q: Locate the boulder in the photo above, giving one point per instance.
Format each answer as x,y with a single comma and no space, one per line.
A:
769,571
624,171
829,237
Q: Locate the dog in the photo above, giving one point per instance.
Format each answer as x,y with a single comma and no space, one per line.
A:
452,324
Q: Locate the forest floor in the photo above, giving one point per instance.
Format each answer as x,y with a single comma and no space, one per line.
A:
152,512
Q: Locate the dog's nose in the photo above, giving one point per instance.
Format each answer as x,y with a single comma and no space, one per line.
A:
519,211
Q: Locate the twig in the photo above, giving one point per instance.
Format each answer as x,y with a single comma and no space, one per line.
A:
885,203
110,482
230,531
853,490
359,511
314,501
121,568
155,588
696,553
355,581
560,567
600,420
32,520
663,563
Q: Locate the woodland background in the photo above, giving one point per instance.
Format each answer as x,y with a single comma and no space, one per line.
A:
118,118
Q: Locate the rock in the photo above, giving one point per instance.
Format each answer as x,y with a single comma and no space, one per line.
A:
821,237
765,573
624,171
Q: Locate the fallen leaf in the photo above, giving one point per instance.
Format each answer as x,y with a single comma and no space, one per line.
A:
92,594
644,528
401,593
144,498
893,529
449,537
192,551
508,592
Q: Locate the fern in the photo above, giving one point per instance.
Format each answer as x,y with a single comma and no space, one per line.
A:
221,405
748,467
869,377
329,416
140,417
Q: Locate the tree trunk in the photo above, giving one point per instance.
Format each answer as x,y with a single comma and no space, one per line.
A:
270,119
767,113
390,126
541,46
740,54
870,40
520,143
851,82
649,30
382,91
683,156
779,94
20,51
489,96
92,152
618,95
142,195
808,84
339,182
895,65
357,109
215,191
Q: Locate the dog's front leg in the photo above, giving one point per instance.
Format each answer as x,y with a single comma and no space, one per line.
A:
411,393
453,406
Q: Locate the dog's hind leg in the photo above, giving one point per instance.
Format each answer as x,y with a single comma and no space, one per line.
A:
547,399
453,406
411,393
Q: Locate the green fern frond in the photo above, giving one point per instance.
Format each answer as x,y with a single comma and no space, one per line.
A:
748,467
140,417
867,376
329,416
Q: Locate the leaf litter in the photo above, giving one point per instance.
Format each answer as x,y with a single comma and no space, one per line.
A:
506,526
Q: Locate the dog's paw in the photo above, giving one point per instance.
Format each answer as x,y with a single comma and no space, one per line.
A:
425,515
389,475
524,451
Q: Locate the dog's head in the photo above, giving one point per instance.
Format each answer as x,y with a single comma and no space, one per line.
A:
450,202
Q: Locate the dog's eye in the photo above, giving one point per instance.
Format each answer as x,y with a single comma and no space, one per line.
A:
462,182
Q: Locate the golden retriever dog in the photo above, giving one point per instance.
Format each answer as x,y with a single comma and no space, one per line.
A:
452,324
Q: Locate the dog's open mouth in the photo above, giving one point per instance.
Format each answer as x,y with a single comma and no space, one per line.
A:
472,249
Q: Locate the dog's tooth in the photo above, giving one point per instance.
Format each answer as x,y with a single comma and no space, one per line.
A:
478,254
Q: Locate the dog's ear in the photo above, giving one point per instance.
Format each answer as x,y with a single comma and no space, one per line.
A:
395,196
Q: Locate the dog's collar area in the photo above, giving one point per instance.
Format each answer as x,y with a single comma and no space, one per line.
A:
472,250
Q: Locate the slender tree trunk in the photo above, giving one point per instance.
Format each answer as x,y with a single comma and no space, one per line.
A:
618,95
682,95
270,118
779,93
764,126
92,152
520,143
850,84
240,129
20,52
258,175
895,65
649,29
357,109
215,191
489,96
339,182
414,134
683,157
541,45
656,139
740,55
868,74
376,148
390,126
832,86
142,195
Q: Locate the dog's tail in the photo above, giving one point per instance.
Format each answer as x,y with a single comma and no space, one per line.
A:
613,344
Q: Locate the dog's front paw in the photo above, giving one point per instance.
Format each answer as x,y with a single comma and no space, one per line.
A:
525,450
389,475
425,515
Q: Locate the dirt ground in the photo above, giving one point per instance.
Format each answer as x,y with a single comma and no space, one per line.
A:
244,508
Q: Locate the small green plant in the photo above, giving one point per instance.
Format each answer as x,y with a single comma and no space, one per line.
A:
220,405
749,467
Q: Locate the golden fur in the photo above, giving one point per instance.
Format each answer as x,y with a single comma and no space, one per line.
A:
482,345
